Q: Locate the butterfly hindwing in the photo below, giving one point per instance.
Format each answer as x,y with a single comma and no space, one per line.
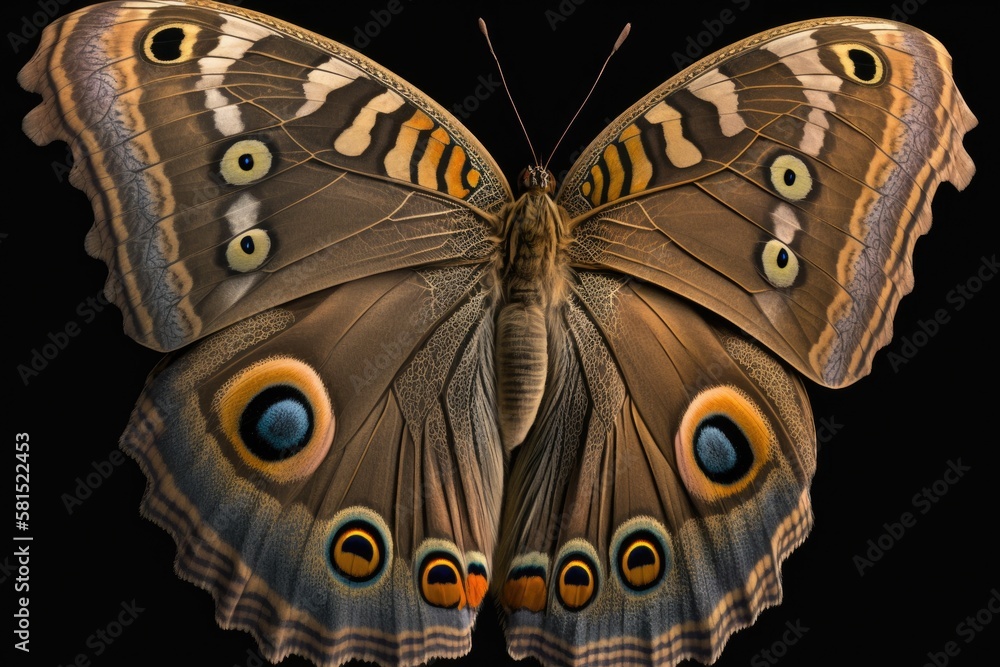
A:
782,183
235,165
337,491
657,526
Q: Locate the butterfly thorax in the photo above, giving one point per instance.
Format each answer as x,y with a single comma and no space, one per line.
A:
534,284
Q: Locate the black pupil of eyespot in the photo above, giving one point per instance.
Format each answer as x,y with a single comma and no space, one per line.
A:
864,64
782,258
166,44
246,162
246,243
789,177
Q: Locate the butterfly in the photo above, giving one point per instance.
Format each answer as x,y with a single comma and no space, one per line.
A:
618,490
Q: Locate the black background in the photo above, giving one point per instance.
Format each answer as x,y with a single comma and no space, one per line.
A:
885,438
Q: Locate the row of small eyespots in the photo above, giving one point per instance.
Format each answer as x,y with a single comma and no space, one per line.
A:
359,555
642,559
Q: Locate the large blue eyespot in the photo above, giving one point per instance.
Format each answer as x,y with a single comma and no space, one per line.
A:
277,423
722,450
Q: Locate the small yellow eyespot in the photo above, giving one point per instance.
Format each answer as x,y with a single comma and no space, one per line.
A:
641,547
576,583
780,264
861,63
248,251
246,161
170,44
790,177
357,553
358,549
441,583
640,564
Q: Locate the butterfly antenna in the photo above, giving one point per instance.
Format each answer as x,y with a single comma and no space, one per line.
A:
482,28
618,44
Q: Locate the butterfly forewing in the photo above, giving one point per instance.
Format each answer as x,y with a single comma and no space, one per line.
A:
235,165
782,183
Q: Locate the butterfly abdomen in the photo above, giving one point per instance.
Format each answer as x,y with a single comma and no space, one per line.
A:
534,284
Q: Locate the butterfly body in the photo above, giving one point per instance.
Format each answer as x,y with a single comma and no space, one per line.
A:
534,275
393,387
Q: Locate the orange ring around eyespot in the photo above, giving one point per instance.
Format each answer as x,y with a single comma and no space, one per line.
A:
732,404
236,394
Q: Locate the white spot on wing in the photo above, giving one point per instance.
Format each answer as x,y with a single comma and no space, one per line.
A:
355,140
248,30
244,214
715,88
234,288
325,79
214,99
815,130
800,54
785,223
235,39
793,44
773,304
